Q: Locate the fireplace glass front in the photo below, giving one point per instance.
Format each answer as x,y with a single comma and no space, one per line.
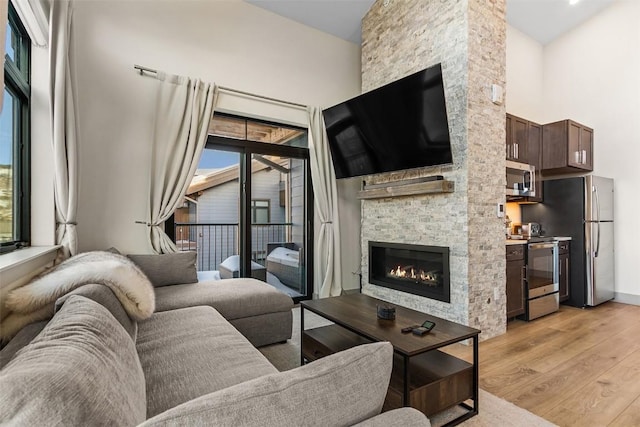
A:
415,269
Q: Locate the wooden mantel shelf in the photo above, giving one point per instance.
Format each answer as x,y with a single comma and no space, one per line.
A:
400,190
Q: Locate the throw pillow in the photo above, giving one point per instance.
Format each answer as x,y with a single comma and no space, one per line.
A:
82,369
346,388
168,269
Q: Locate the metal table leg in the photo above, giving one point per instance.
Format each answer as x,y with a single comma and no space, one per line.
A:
405,395
301,333
476,377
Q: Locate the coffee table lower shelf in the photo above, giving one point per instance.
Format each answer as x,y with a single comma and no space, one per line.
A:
438,380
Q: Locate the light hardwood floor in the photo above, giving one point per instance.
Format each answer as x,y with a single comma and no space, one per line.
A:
576,367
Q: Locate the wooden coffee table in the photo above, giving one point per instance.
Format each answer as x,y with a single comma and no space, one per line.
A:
423,376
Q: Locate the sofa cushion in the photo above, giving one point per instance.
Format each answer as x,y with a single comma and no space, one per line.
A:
233,298
190,352
338,390
105,297
22,338
82,369
265,329
168,269
406,416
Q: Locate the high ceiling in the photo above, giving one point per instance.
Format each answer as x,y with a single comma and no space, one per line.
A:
544,20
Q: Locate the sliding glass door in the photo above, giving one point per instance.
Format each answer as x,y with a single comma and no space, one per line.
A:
278,220
249,210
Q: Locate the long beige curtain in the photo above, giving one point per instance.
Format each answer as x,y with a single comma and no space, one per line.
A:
183,112
63,126
327,259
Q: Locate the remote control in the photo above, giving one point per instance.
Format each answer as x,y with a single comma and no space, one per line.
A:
420,331
409,329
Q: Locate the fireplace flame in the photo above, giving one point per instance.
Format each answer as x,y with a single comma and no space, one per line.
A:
409,272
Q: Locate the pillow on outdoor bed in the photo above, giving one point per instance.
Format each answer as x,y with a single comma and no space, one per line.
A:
168,269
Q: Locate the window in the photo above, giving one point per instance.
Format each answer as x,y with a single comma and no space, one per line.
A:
260,212
14,138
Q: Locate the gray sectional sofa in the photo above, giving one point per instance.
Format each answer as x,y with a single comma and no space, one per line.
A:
188,364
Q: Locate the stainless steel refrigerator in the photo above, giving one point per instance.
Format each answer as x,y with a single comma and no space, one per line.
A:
581,208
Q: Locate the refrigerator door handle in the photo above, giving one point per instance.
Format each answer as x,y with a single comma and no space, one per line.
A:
598,244
595,192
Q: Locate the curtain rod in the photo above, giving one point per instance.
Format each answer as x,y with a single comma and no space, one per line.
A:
143,70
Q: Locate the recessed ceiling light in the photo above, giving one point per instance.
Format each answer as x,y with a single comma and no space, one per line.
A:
572,2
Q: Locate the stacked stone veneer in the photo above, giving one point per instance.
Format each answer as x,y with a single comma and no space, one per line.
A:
468,37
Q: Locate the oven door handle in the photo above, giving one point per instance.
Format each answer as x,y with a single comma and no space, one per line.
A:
545,245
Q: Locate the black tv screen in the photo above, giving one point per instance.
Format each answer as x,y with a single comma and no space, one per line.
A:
401,125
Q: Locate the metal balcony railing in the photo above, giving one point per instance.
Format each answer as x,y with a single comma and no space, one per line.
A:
217,241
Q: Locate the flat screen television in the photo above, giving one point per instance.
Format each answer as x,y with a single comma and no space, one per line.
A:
401,125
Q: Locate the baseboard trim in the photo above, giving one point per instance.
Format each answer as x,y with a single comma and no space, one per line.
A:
626,298
350,291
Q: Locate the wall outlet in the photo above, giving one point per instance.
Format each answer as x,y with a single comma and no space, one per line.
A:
500,210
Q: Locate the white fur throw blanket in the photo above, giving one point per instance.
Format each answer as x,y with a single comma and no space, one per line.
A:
35,301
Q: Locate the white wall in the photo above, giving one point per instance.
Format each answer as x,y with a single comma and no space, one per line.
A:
524,92
592,75
42,206
229,42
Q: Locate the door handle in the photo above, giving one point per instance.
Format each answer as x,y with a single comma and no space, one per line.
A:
598,243
516,150
584,157
527,186
595,192
533,182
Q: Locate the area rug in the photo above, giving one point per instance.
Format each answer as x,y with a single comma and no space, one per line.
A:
494,411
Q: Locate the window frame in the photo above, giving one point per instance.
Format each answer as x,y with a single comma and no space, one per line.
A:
255,208
17,82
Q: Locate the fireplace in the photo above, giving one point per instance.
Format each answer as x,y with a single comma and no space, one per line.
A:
415,269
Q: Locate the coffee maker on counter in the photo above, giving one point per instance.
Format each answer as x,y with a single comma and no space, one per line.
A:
526,230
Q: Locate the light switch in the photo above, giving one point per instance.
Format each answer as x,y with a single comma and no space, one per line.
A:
497,94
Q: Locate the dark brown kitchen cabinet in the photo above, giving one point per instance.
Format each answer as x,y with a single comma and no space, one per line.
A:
564,268
517,139
567,146
515,280
524,145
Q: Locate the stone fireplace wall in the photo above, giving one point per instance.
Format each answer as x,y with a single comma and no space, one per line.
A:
469,38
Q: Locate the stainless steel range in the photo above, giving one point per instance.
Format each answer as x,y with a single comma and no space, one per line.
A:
542,277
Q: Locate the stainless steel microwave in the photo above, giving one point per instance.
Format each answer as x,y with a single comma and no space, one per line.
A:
521,179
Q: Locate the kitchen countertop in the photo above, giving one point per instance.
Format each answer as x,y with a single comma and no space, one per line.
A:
516,242
525,241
